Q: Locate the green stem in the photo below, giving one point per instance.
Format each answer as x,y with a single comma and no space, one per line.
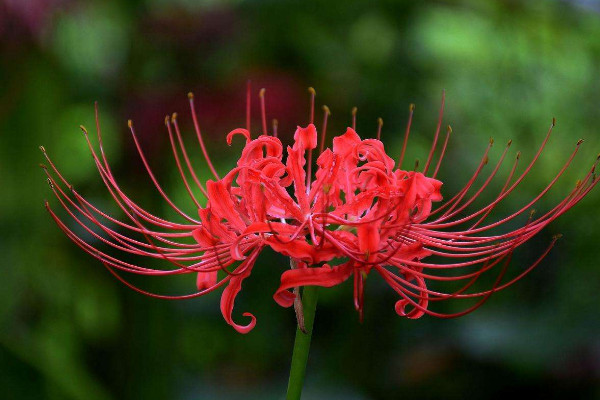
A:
310,295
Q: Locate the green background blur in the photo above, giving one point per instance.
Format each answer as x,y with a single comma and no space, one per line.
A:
71,331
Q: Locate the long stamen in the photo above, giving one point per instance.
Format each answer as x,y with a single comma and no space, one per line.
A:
263,112
308,170
437,167
326,114
310,151
248,105
102,256
481,189
313,93
85,204
153,178
379,126
176,156
99,135
531,164
437,134
199,135
453,202
120,197
533,228
165,297
84,210
172,257
485,294
505,194
411,109
506,183
111,184
186,158
111,260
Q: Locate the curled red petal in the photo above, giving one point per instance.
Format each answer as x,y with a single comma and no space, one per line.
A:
324,276
231,291
298,249
239,131
257,148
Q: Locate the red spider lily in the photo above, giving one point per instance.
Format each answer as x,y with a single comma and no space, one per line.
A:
361,210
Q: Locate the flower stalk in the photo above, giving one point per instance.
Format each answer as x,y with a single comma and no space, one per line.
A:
310,296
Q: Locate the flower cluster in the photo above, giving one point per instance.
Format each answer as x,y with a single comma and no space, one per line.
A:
359,213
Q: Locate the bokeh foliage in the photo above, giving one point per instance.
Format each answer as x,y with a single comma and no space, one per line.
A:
70,331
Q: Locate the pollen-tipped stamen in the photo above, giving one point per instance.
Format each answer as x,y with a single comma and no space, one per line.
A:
186,158
176,156
379,126
313,93
326,114
199,135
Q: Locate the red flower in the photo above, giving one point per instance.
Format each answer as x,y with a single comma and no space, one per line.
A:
361,210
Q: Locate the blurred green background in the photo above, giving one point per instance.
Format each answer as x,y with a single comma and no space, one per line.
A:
71,331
